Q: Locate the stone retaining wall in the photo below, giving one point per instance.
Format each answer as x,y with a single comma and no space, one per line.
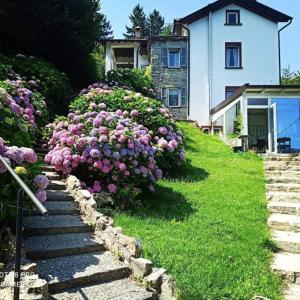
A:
128,249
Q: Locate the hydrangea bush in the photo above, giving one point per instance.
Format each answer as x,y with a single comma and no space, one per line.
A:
22,160
22,111
143,110
108,150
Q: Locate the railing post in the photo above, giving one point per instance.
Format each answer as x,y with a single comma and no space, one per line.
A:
19,224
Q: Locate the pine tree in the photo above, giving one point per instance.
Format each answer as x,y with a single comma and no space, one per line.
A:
106,30
138,19
155,23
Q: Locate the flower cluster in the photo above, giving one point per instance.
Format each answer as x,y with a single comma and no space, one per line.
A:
114,152
20,157
142,110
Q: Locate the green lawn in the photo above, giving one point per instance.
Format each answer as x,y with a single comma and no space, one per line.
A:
208,225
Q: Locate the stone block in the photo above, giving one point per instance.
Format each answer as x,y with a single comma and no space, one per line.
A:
168,288
154,280
141,267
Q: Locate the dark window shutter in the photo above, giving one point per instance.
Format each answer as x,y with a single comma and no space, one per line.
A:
164,57
183,96
183,57
164,96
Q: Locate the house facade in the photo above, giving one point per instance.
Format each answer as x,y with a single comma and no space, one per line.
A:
223,64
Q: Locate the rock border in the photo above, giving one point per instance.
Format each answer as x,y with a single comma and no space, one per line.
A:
128,249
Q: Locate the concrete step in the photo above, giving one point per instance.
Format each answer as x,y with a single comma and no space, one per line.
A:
282,179
49,246
288,266
56,185
284,208
60,208
283,196
284,222
43,225
67,272
124,289
282,157
290,162
284,187
59,195
52,175
47,168
292,292
287,241
282,166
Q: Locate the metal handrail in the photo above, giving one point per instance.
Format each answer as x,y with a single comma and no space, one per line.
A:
19,223
26,189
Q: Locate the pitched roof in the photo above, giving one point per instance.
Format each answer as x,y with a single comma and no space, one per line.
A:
254,88
251,5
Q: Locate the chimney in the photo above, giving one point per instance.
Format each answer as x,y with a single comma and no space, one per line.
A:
137,32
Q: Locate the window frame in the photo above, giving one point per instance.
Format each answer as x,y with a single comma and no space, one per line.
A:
178,95
165,96
233,11
178,50
237,45
230,89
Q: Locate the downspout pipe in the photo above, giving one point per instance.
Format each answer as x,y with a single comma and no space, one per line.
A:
210,67
188,68
279,47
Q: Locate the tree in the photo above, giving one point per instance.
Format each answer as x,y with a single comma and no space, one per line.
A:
138,19
166,31
155,23
106,30
62,32
290,78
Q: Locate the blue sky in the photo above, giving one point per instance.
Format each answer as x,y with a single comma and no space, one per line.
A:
118,11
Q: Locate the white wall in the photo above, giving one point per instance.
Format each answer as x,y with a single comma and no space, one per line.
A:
260,60
142,59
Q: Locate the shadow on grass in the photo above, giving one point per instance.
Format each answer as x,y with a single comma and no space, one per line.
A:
164,203
188,173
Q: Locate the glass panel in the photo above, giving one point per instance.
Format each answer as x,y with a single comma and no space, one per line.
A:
272,127
174,58
230,119
288,124
258,101
232,18
173,97
232,57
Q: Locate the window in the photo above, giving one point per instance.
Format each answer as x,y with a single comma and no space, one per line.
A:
174,97
230,90
174,58
233,55
258,101
232,17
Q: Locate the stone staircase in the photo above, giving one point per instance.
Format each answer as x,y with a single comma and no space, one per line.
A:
283,193
68,256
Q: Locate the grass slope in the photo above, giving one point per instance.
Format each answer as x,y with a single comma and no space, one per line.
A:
207,225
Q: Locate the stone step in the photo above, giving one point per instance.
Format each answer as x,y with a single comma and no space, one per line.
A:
292,292
287,241
284,208
43,225
282,157
284,187
288,265
56,185
59,195
124,289
283,179
52,175
49,246
47,168
283,163
60,208
287,174
283,196
67,272
284,222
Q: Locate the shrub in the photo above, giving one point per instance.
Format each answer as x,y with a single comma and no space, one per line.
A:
134,79
149,112
23,161
108,151
22,111
50,82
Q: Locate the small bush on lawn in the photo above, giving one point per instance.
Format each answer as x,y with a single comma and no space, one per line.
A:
50,82
108,151
22,111
143,110
22,160
134,79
